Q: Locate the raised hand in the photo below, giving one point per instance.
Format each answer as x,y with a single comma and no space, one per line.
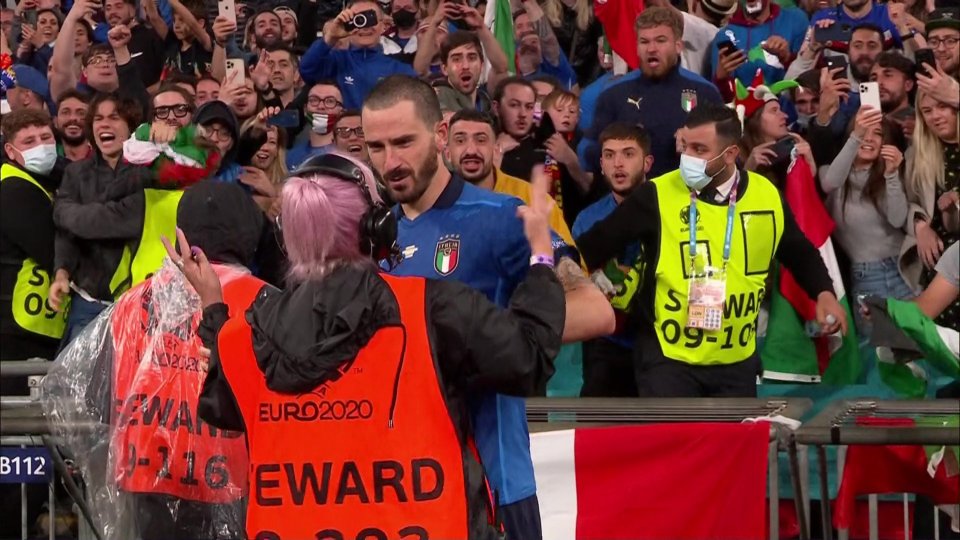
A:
761,156
223,28
729,62
778,46
867,117
260,73
119,36
196,268
892,158
536,215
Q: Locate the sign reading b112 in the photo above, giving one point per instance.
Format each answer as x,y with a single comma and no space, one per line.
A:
30,465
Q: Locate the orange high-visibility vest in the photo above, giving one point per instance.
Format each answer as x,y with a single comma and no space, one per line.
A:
372,453
160,444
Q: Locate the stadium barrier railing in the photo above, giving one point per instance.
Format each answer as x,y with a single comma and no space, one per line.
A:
841,424
550,414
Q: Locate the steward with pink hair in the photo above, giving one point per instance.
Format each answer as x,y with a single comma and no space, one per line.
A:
408,350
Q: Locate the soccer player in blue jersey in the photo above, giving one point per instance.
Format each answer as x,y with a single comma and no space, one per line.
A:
451,229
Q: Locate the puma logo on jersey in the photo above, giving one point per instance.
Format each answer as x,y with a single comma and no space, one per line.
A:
635,102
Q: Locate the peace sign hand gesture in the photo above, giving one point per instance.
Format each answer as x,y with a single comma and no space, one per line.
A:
196,268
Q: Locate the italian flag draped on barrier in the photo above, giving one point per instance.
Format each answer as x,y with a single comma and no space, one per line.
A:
662,481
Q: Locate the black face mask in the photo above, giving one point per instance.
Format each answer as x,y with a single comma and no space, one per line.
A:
405,19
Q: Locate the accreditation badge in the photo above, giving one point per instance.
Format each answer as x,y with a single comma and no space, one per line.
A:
705,300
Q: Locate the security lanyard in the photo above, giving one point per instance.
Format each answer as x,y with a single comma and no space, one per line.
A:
728,234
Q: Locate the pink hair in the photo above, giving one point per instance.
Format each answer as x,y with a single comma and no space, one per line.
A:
321,222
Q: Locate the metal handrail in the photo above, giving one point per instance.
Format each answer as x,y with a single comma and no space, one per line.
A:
832,427
24,368
661,410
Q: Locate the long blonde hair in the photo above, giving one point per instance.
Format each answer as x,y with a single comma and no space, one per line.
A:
927,167
554,13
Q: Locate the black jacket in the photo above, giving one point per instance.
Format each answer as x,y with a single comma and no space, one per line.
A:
302,335
92,263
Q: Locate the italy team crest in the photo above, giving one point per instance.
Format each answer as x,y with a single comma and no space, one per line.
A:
688,100
448,255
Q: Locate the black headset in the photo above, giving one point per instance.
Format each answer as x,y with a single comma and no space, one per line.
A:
378,227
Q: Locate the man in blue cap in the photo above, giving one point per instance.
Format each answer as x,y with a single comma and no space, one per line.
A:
26,88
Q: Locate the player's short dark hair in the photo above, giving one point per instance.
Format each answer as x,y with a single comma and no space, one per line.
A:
728,127
397,88
473,115
510,81
622,131
459,39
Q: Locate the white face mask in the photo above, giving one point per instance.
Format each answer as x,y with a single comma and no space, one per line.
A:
39,159
693,170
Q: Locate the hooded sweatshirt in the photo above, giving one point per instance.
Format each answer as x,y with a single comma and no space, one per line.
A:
213,111
747,35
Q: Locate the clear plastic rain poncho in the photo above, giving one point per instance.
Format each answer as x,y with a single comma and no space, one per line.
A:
122,398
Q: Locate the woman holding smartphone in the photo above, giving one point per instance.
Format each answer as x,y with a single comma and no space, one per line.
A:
866,198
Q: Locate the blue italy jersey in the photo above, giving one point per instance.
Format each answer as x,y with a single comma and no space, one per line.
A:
474,236
589,217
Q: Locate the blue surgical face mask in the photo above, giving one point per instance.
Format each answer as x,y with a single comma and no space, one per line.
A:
39,159
693,170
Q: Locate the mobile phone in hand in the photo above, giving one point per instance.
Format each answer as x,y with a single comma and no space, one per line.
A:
870,95
925,56
727,47
364,19
30,17
285,119
228,10
236,71
834,34
837,61
783,148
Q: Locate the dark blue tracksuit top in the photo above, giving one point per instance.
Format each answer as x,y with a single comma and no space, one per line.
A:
661,106
355,70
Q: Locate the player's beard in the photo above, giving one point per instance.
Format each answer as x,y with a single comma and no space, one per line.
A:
422,175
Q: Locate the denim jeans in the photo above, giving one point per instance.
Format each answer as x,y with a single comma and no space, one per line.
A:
877,278
82,312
